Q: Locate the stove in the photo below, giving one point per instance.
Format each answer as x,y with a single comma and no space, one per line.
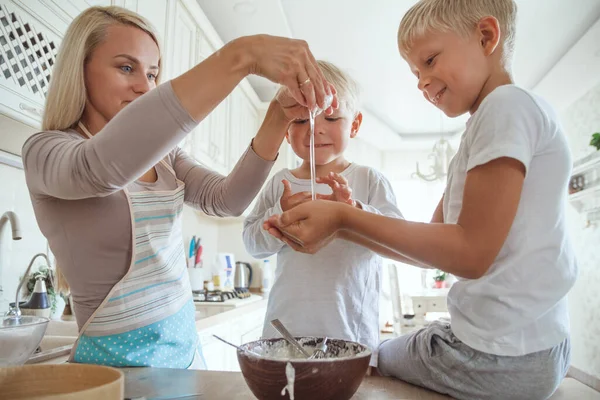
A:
219,296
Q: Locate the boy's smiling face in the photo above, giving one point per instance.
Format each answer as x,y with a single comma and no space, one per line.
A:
451,69
332,134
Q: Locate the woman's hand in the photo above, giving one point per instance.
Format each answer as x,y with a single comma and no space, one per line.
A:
308,227
288,62
272,131
282,111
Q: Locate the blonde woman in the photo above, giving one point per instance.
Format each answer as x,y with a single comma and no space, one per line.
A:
108,183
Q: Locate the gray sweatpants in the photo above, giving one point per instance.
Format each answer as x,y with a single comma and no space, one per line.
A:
436,359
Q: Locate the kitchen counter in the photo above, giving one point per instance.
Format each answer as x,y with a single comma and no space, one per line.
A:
208,322
158,383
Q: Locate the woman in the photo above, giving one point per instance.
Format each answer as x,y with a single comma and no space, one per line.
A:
108,183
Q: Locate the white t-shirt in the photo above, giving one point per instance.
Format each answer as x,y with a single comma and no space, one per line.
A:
519,306
335,292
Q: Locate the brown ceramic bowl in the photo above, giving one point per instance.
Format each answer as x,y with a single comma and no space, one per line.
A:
336,377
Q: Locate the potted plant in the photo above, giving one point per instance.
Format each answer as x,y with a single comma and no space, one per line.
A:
48,275
595,140
439,278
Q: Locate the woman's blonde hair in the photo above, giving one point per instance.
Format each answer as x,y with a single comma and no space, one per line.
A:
460,16
67,94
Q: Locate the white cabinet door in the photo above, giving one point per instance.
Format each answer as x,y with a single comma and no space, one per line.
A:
155,11
213,138
219,137
181,56
56,15
243,120
30,35
28,51
215,351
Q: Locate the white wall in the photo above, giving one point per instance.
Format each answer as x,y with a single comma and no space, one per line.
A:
416,198
16,255
580,120
203,227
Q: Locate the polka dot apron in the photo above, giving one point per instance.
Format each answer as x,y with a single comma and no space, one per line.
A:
148,318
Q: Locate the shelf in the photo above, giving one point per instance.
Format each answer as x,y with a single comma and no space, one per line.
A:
586,174
586,163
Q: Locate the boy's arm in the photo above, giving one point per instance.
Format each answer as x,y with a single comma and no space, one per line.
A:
258,242
379,249
438,214
382,201
466,249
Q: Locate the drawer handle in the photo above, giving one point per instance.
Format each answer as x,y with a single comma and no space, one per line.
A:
31,110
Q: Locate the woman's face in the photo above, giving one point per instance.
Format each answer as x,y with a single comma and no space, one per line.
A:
119,70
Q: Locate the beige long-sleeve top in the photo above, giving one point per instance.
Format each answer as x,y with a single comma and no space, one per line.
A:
76,187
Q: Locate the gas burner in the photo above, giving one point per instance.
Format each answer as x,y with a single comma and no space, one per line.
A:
219,296
243,293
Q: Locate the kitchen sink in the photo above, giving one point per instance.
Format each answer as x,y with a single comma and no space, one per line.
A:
53,342
56,343
62,328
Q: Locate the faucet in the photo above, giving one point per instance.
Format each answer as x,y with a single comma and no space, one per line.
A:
16,235
14,223
14,314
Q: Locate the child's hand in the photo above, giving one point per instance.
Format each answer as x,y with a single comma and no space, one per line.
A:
289,200
341,191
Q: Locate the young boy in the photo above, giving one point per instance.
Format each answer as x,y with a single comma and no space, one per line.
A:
500,226
334,293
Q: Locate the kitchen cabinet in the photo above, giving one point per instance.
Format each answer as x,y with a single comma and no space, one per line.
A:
217,141
30,35
243,125
31,32
155,11
242,327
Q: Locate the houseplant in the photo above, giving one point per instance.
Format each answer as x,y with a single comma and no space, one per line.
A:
439,278
595,140
48,275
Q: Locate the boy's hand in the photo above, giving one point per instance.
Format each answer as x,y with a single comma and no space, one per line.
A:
341,191
289,200
308,227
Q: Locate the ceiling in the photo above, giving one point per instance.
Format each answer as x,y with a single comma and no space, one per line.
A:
360,37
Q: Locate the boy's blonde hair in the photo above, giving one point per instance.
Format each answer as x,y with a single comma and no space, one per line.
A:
67,94
347,89
460,16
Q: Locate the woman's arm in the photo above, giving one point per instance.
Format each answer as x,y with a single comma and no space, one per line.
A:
146,130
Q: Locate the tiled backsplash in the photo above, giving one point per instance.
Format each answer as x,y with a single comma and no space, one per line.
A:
15,255
581,120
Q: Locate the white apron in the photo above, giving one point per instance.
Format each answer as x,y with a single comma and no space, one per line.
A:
148,318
